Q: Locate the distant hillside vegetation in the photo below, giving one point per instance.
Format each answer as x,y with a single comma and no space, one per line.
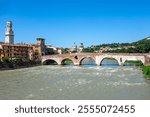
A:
141,46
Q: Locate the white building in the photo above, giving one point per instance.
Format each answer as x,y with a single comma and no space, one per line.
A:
53,50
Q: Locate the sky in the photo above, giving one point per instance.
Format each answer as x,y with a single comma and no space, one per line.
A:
63,22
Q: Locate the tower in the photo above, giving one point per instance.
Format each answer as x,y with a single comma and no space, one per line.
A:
9,34
41,43
74,47
81,47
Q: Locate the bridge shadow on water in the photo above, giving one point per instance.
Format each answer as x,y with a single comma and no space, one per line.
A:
110,65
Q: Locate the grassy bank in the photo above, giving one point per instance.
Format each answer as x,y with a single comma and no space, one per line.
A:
135,63
146,71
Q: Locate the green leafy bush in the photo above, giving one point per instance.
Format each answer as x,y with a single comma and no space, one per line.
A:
146,71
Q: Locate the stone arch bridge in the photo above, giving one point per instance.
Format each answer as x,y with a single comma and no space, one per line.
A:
98,57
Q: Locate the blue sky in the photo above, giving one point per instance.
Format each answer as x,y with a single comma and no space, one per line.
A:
63,22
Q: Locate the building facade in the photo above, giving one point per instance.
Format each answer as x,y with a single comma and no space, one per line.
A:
49,49
28,51
15,51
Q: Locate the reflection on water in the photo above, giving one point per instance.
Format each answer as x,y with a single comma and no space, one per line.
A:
87,65
109,62
74,82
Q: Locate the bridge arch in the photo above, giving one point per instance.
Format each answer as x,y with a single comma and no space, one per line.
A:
50,62
133,62
88,59
134,58
116,60
67,61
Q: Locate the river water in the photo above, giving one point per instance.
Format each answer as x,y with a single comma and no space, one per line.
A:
74,82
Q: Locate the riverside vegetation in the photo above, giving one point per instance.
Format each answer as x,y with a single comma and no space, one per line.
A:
15,63
146,71
141,46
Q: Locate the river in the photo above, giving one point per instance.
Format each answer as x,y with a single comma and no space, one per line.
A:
74,82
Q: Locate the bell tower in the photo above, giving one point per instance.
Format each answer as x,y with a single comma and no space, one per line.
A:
9,34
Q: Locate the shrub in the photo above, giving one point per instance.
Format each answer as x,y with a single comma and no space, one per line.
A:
146,71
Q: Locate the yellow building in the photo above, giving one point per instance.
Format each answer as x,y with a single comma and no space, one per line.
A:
29,51
15,50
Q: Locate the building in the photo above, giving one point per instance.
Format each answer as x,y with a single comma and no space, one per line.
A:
81,47
15,51
49,49
60,50
74,48
9,34
41,44
38,49
29,51
107,48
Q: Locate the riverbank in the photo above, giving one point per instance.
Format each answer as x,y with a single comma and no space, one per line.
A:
18,67
146,71
11,65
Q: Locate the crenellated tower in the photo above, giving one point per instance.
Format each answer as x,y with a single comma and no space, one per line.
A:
9,34
41,43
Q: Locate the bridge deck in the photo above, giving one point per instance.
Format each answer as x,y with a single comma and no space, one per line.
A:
97,54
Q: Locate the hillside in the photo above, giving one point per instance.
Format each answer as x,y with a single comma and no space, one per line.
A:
141,46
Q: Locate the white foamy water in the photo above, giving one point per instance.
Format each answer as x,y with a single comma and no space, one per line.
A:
74,82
